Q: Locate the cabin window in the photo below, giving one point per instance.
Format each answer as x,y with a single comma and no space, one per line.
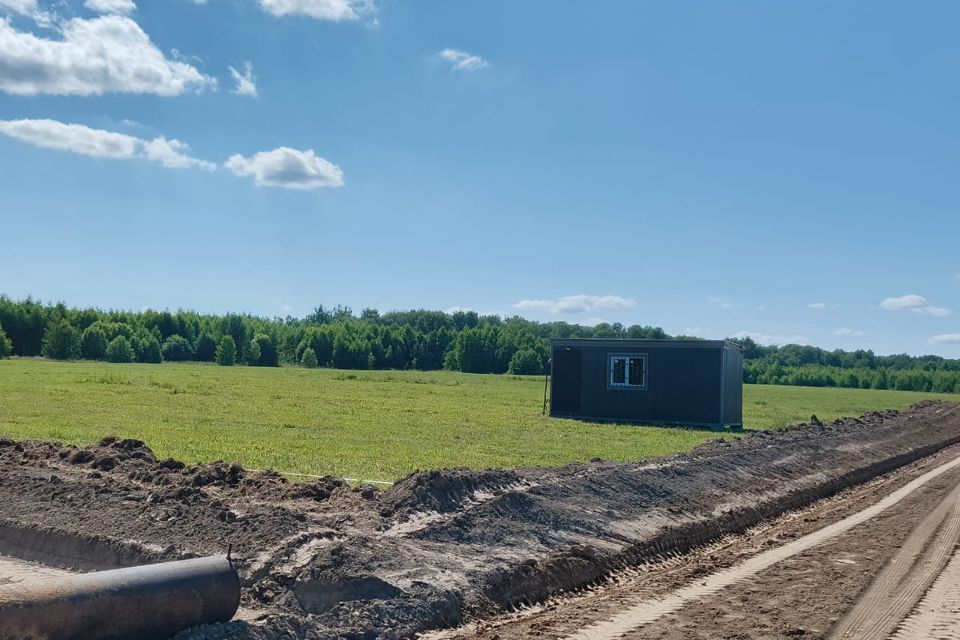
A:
628,371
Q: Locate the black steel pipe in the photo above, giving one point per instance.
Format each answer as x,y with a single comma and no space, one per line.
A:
150,601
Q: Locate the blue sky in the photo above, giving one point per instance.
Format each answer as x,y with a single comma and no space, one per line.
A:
785,170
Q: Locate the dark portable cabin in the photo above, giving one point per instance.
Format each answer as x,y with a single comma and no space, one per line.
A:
685,382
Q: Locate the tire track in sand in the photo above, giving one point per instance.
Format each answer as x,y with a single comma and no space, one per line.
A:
648,611
937,616
906,577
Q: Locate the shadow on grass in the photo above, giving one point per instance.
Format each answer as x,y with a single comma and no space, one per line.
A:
659,425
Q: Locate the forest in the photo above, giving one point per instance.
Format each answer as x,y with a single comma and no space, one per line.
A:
421,339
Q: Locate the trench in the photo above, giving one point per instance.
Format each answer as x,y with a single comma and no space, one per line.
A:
285,568
525,587
650,610
30,554
34,554
58,549
15,571
522,587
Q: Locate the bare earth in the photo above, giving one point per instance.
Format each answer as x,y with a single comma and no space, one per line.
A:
842,568
14,571
807,532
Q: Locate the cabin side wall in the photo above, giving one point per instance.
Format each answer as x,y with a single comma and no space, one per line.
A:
683,386
732,387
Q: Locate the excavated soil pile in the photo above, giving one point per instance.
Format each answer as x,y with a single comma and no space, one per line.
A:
323,560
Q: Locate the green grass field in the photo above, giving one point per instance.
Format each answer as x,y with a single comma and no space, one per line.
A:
373,425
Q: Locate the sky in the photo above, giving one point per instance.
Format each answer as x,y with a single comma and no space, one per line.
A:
787,171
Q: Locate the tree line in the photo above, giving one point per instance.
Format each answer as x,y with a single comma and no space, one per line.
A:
807,366
419,339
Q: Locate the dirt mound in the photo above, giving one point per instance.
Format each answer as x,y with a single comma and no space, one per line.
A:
260,484
134,460
444,491
187,509
323,560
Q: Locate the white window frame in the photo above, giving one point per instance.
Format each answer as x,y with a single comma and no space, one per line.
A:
630,385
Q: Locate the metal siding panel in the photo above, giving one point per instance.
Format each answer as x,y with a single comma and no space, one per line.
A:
593,384
565,397
733,387
737,414
683,386
722,406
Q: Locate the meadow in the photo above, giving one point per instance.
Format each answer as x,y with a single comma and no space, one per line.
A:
371,425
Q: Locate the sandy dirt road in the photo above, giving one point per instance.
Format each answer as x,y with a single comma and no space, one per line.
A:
878,561
937,616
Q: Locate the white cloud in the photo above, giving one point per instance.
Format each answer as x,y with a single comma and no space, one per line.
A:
914,303
336,10
51,134
30,9
452,310
121,7
246,82
288,168
107,54
817,305
723,303
463,61
23,7
693,331
772,339
576,304
852,333
172,154
98,143
946,338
